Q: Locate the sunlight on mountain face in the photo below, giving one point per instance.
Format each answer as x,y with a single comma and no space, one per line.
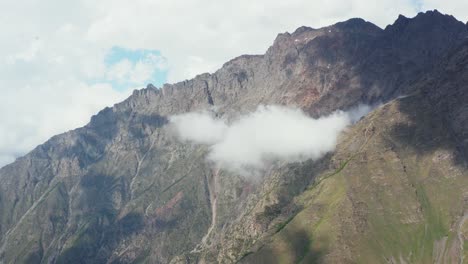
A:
157,178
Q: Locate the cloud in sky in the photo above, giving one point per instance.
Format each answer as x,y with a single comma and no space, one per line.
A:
130,68
271,133
45,110
72,47
199,127
44,93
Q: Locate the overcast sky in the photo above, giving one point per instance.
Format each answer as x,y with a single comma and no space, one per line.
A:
62,61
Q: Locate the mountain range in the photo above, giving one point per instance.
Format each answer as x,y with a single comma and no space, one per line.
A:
124,189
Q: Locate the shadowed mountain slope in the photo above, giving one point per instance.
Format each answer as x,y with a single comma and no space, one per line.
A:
122,189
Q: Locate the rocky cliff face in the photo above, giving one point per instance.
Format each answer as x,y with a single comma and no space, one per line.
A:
123,190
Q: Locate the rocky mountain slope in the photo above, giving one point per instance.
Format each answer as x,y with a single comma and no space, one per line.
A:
123,189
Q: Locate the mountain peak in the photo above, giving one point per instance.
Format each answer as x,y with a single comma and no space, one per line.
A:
125,189
435,15
357,24
434,12
428,19
302,29
151,86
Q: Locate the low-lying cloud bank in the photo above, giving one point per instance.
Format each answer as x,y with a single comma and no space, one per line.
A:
271,133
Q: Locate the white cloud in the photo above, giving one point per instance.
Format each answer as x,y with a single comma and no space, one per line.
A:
120,71
271,133
137,72
144,69
45,110
200,35
48,42
200,127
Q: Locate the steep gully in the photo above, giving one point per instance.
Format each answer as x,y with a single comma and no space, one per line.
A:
212,186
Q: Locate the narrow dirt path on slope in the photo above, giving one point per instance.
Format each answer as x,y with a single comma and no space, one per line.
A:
461,239
213,200
139,162
213,195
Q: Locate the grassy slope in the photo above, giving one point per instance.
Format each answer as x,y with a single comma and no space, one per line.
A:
384,201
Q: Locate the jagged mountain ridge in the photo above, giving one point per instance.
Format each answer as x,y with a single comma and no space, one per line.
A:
122,189
398,190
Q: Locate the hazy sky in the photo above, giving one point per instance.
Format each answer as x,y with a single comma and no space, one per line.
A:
62,61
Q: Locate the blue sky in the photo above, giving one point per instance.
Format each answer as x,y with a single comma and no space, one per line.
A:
132,62
418,5
54,75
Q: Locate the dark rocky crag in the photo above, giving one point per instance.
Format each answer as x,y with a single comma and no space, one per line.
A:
122,189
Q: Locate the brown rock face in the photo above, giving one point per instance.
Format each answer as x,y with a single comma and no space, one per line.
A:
122,189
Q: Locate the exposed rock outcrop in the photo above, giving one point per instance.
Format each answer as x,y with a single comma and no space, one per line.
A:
122,189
